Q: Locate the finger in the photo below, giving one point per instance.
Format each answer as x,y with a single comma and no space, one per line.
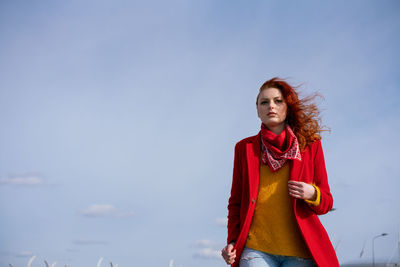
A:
223,252
296,191
230,260
295,182
296,195
230,254
227,252
225,255
299,187
296,186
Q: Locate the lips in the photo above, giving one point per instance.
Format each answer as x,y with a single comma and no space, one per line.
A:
271,114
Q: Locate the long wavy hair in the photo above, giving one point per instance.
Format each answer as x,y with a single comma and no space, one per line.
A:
303,115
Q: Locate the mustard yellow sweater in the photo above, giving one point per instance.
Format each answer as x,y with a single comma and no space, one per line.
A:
274,229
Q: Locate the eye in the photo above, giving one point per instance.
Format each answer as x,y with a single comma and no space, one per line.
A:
263,102
279,101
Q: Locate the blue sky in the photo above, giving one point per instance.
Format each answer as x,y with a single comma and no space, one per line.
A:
119,120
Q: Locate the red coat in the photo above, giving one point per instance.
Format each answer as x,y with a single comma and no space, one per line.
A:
246,175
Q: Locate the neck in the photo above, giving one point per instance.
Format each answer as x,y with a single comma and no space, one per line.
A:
277,129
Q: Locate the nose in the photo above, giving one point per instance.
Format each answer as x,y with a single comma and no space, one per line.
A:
271,105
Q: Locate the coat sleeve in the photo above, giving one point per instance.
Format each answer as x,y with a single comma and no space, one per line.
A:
234,202
321,181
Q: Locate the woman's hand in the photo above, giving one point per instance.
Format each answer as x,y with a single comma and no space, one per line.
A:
302,190
229,254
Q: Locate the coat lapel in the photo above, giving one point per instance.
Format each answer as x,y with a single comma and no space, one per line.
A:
295,169
253,150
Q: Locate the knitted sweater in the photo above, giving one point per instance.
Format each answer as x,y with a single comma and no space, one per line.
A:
274,229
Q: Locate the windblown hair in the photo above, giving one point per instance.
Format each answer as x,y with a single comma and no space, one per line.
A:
303,115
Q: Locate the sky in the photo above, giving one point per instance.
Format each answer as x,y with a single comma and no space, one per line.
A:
119,121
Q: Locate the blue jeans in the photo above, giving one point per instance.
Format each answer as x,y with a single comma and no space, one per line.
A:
255,258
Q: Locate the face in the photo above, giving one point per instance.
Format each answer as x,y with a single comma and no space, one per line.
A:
272,108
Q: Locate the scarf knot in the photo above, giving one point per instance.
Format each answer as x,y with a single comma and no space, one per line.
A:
277,149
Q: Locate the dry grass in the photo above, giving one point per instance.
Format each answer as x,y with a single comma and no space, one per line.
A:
54,263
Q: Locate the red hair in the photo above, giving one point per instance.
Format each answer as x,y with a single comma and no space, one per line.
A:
303,115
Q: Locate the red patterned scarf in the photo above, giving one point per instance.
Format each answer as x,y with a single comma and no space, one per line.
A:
277,149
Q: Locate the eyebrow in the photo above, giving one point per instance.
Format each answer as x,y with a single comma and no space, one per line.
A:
266,98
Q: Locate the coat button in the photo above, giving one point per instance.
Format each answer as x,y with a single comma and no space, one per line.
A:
253,200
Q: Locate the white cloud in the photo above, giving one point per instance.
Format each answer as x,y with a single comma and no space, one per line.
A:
203,243
28,179
207,249
222,221
208,253
100,210
105,210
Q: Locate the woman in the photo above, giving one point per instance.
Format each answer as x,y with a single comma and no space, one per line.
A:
279,187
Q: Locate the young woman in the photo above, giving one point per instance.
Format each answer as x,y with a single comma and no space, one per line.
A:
279,187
